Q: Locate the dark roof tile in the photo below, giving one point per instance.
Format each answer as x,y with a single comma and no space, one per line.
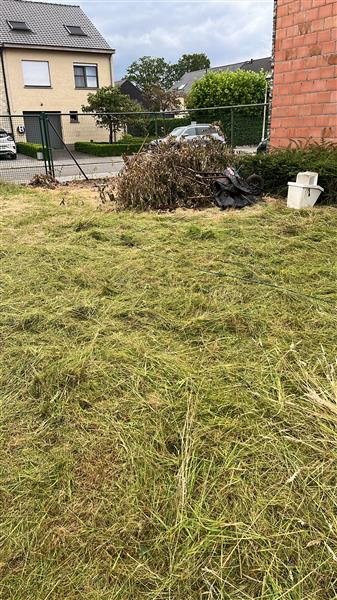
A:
47,24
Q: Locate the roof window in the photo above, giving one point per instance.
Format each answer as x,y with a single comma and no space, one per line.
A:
75,30
18,26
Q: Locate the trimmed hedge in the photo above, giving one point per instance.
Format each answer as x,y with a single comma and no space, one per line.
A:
280,166
104,149
165,126
29,149
247,128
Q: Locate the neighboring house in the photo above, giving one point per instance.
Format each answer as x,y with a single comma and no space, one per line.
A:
304,96
184,85
52,56
130,89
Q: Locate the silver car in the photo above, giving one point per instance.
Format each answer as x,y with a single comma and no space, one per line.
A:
195,131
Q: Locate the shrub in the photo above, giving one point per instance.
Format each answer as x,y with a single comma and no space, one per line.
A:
164,126
228,88
117,149
29,149
280,166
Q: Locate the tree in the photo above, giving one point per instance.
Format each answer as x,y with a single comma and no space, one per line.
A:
227,88
191,62
150,71
109,100
162,100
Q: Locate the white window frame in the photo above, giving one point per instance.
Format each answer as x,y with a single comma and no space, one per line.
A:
28,83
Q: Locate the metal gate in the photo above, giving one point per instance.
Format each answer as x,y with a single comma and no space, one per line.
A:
51,139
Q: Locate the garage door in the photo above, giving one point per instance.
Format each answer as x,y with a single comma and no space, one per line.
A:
33,132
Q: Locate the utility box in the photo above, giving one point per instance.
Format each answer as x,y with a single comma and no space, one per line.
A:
305,192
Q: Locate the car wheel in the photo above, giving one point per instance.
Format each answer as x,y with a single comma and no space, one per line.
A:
13,156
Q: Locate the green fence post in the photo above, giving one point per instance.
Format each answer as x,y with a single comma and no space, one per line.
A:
44,145
232,127
156,125
50,152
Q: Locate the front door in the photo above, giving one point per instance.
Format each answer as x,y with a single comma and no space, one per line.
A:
33,132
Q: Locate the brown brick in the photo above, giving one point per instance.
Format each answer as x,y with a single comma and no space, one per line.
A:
329,23
282,11
327,132
292,31
324,36
288,43
321,108
331,84
290,53
332,59
317,25
328,47
286,21
325,11
315,50
294,7
304,27
289,77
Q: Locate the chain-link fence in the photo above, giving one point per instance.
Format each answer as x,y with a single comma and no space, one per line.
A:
85,145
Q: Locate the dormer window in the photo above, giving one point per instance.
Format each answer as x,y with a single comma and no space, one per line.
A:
75,30
18,26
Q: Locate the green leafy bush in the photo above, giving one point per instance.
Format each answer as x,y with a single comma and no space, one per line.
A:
280,166
29,149
104,149
228,88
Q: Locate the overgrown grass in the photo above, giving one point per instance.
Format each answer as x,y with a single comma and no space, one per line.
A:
168,430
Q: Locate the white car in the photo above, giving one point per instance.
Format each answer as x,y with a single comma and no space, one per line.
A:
195,131
7,145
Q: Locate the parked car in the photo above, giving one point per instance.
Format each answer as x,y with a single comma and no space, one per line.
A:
192,132
7,145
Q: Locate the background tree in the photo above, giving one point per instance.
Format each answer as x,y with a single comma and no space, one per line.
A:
150,71
111,100
191,62
162,100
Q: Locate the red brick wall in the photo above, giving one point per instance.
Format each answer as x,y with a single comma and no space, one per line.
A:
304,103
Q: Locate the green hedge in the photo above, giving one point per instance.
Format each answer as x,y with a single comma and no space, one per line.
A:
165,126
103,149
28,148
247,128
280,166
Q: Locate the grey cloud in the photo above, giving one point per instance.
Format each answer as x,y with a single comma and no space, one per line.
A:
226,31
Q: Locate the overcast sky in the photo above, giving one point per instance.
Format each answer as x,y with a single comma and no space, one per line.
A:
228,31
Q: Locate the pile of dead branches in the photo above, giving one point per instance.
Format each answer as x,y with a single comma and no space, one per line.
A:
166,178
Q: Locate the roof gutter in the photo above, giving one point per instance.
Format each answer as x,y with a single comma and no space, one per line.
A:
6,89
63,48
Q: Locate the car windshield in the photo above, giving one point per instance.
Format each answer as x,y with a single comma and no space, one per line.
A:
177,131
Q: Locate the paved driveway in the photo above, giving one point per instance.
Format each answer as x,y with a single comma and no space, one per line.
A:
24,168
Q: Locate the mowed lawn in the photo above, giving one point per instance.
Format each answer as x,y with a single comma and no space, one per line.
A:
168,418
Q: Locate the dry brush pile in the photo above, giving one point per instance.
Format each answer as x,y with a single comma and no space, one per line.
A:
165,179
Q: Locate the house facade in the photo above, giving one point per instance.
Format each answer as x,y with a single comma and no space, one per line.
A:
304,98
52,56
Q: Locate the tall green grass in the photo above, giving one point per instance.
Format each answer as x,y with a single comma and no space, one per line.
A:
168,431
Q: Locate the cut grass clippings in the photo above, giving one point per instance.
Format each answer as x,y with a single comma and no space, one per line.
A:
168,429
